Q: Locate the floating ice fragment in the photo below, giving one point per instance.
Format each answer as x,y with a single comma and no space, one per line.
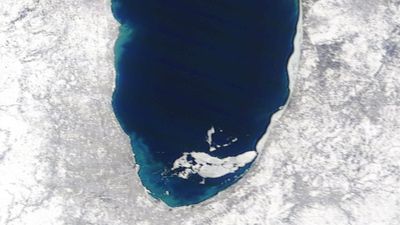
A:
208,166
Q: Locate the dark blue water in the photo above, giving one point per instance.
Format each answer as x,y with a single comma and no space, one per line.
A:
185,66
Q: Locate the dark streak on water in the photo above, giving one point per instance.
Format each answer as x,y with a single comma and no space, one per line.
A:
186,65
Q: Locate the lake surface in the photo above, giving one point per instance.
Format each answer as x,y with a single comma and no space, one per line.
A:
197,83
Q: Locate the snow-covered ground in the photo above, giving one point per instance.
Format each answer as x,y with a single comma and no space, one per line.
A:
332,157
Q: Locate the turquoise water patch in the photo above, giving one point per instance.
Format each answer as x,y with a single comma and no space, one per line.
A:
197,84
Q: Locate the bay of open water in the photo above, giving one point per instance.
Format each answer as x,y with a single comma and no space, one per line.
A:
197,83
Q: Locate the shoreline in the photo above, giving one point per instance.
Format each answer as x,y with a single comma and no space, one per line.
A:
292,66
121,35
124,32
